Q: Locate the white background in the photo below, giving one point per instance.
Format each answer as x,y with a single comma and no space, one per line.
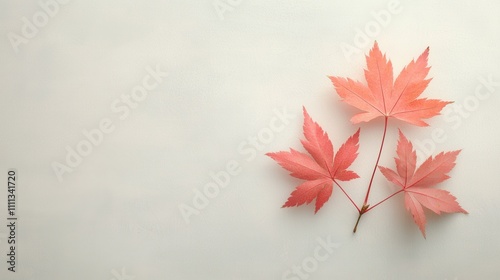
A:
116,215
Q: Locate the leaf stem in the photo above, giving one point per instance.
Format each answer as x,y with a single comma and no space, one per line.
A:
361,212
350,199
376,163
380,202
366,206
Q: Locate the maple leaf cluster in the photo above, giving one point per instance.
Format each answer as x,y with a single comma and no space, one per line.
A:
322,168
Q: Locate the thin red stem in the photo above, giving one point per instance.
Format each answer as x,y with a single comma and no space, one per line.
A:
376,163
342,189
380,202
366,206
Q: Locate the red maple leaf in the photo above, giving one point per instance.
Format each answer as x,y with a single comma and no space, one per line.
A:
416,182
321,168
383,97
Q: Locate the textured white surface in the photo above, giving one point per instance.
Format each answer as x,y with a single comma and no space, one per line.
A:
116,215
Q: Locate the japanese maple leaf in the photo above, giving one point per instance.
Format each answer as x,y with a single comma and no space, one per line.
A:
321,168
416,183
385,97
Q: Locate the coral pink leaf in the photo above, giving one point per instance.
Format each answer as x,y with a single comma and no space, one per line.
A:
417,184
321,169
384,97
